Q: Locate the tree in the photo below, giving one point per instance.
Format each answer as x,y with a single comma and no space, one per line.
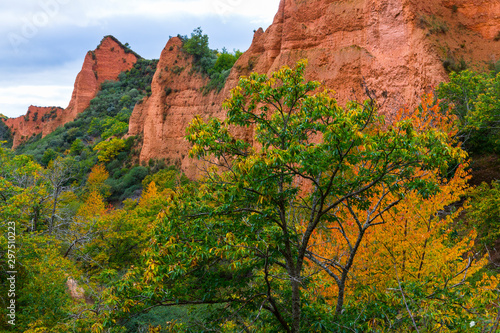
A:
485,204
415,272
475,99
30,199
197,45
241,238
58,175
83,228
107,150
23,191
96,180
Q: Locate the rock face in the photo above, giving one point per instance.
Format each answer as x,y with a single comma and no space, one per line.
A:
482,16
105,63
176,97
36,120
396,47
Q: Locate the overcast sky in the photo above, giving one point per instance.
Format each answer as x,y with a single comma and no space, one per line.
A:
43,42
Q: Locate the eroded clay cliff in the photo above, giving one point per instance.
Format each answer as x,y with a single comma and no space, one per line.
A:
108,60
396,47
34,122
161,119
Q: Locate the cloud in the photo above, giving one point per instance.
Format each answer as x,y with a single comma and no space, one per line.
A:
43,42
16,97
40,86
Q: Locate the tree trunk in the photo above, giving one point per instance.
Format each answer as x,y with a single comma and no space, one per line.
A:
295,304
53,217
340,297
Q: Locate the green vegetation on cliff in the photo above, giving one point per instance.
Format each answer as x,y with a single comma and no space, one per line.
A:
5,133
475,99
216,65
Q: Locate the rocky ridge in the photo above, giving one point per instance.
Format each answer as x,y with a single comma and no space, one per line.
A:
34,122
106,62
396,47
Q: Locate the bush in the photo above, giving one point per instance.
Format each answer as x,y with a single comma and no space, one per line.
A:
166,178
107,150
475,100
497,37
215,65
495,68
197,45
452,65
434,24
485,212
48,156
128,182
5,135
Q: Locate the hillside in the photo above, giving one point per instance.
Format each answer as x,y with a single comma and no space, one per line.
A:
106,62
400,49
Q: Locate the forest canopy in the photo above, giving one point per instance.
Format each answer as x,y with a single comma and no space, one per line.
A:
330,219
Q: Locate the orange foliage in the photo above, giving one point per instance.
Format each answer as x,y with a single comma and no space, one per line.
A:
93,208
97,177
413,241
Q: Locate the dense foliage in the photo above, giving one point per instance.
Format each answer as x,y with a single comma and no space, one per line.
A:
65,233
485,212
215,65
280,236
107,115
333,220
475,99
5,133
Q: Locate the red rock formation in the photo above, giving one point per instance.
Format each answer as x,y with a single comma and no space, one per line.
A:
33,123
482,16
105,63
382,43
176,97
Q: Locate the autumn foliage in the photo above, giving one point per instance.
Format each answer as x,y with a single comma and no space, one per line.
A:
334,219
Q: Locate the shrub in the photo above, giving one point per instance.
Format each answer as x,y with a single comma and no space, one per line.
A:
6,137
48,156
215,65
107,150
166,178
434,24
77,147
452,65
128,182
485,212
475,100
495,67
197,45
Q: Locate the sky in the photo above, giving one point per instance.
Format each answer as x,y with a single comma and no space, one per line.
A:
43,42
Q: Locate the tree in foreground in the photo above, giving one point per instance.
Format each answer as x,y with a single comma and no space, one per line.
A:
416,273
242,238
